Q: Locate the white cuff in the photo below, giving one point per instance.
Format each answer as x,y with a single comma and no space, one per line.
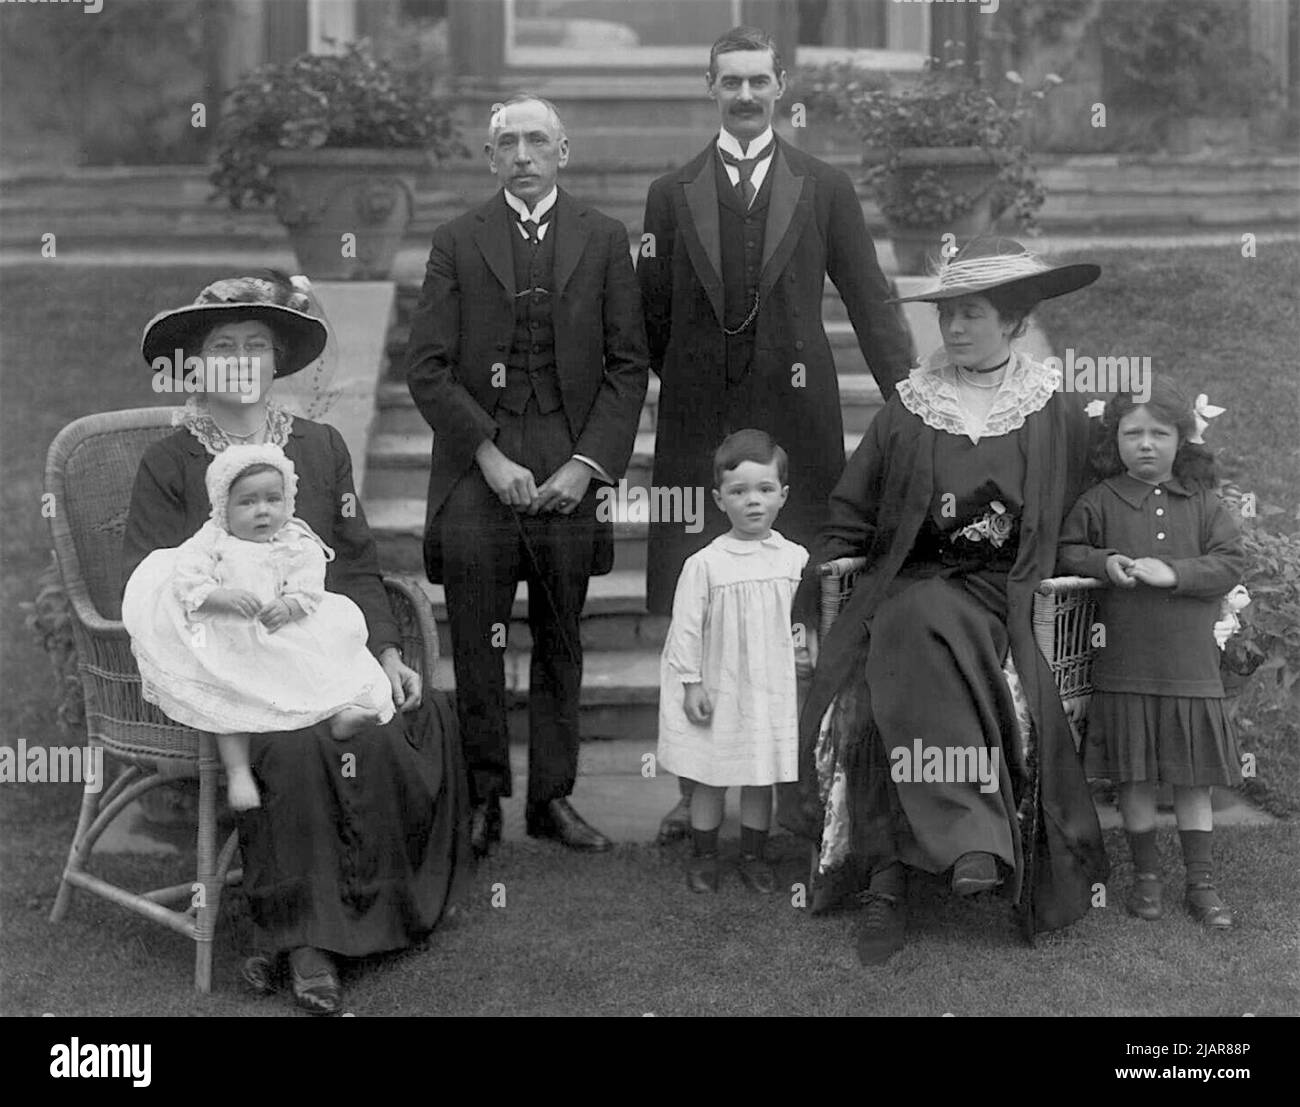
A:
596,467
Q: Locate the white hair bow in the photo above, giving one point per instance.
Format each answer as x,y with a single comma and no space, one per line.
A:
1204,412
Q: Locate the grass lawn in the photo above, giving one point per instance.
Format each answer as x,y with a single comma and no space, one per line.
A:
618,934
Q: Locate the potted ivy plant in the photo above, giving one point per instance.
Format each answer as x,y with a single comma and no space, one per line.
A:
337,141
946,154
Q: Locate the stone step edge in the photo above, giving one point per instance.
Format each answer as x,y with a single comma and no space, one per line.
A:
403,516
622,180
855,388
1052,220
610,678
617,594
406,451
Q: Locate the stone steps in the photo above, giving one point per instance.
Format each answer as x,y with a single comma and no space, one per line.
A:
859,400
622,642
156,207
621,646
196,231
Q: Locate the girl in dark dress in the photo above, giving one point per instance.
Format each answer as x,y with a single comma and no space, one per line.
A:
345,856
955,497
1157,532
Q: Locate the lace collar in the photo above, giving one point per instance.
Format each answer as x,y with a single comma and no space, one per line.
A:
931,393
196,419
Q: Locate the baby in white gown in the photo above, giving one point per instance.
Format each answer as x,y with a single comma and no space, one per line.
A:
233,630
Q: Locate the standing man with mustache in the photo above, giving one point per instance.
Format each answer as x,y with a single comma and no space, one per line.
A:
741,241
528,360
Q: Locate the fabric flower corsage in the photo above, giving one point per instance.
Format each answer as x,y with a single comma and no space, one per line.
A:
1228,623
995,525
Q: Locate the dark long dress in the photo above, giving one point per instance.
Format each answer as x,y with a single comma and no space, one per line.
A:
929,624
351,856
934,667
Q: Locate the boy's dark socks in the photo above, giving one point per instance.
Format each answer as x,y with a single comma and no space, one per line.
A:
1146,858
752,841
704,842
1197,845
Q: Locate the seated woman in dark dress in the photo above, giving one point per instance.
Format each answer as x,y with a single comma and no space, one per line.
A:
341,858
955,497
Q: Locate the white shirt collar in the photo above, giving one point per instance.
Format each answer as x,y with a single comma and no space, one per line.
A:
727,141
543,205
748,545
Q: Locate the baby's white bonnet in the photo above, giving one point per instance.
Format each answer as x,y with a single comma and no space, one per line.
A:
227,466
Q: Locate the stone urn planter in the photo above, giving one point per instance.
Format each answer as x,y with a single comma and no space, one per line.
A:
970,171
346,210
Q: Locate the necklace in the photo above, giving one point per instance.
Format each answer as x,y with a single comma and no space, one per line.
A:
266,422
964,379
992,369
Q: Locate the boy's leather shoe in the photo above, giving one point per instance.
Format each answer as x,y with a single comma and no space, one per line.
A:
756,874
702,872
1146,897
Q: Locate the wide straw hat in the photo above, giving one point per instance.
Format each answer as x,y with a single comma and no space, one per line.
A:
278,301
987,263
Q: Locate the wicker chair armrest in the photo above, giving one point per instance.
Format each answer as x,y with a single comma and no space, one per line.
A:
1055,586
841,566
837,580
407,595
88,616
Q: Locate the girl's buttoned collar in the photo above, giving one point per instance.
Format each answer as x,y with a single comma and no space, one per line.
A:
1135,492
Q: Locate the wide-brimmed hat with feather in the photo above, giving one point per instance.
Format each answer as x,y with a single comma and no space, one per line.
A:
1003,263
279,301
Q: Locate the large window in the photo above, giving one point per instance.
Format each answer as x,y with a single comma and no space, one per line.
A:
876,34
601,33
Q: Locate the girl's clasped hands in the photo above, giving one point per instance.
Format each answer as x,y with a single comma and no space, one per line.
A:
1128,572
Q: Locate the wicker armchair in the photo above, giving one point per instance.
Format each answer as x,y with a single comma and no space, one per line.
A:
89,471
1064,612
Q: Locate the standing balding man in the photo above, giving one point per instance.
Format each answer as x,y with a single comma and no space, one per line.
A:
744,236
528,359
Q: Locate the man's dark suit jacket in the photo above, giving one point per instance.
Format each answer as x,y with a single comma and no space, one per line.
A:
814,227
462,329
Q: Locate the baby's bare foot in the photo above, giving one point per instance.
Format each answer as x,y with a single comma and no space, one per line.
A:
350,720
241,790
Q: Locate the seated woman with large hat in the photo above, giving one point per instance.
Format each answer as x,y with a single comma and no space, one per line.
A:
909,745
337,863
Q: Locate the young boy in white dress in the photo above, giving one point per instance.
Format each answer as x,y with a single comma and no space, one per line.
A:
728,710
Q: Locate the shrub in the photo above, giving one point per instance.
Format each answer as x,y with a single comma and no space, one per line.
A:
326,100
947,107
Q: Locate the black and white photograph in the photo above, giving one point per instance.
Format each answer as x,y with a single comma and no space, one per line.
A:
890,409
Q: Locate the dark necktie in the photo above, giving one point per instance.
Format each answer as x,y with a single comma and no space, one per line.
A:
531,226
745,186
